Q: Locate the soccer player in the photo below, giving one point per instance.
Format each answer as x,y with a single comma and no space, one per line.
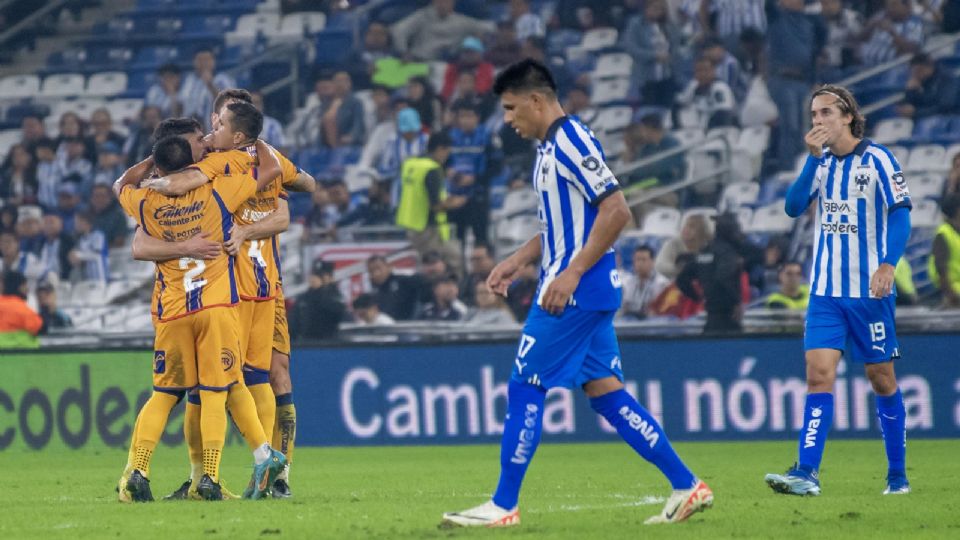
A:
568,339
197,342
863,207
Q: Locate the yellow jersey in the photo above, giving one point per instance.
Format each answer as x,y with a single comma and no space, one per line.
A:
184,286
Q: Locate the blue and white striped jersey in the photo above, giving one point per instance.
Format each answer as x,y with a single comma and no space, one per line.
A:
854,194
571,178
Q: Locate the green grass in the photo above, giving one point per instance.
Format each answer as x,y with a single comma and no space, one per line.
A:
572,491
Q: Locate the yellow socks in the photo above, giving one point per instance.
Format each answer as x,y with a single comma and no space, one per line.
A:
213,425
244,413
193,438
152,420
266,405
285,427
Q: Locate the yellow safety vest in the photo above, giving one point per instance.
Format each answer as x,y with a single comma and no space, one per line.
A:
952,237
413,212
800,302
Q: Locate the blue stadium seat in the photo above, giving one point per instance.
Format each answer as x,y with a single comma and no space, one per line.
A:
334,46
154,57
211,26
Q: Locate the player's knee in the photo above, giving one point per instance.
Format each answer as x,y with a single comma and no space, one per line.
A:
820,379
882,379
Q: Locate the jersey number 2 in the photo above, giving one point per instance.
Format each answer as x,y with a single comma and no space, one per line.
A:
191,279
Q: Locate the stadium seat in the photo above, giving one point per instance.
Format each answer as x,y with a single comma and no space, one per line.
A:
8,138
19,86
902,153
744,217
754,140
107,83
688,136
739,194
730,134
931,127
609,91
925,214
610,119
927,157
926,186
90,293
891,130
334,46
598,39
253,24
514,232
125,110
154,57
294,24
705,211
62,85
612,65
661,222
771,219
211,26
519,201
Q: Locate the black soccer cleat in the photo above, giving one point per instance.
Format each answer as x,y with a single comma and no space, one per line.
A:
138,486
209,490
181,494
281,489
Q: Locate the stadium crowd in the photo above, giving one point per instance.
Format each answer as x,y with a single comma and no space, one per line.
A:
368,119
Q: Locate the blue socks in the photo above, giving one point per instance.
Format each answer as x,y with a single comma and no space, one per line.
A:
892,416
521,435
642,432
817,418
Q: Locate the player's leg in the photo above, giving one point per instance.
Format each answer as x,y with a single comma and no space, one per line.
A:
122,494
876,318
285,426
256,323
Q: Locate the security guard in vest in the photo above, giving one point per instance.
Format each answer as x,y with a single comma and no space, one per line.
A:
944,263
424,202
793,294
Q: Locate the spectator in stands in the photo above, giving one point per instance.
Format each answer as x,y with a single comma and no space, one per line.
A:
19,324
721,268
952,185
652,40
522,292
472,159
431,31
139,144
71,130
728,18
490,308
29,231
109,166
108,218
794,40
424,203
48,173
74,166
32,130
376,47
342,117
469,58
577,103
432,267
8,218
695,234
68,206
890,33
391,145
794,294
396,295
13,259
647,138
445,305
706,102
505,48
583,14
767,277
18,177
481,264
930,90
727,67
753,56
367,312
843,25
165,93
56,248
52,316
421,96
376,211
465,90
101,124
319,311
272,132
642,286
525,22
89,255
943,265
201,86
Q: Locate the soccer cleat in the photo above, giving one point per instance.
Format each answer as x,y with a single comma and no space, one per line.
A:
209,490
281,489
182,493
487,514
683,503
796,481
897,484
138,487
264,475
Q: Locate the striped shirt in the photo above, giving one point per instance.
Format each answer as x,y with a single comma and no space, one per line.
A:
571,178
196,97
855,193
734,16
880,47
272,132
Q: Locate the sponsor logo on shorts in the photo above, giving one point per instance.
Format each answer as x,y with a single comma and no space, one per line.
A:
227,359
159,362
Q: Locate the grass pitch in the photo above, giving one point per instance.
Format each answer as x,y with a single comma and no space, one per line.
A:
572,491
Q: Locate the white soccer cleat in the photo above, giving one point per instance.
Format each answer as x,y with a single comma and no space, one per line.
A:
683,503
485,515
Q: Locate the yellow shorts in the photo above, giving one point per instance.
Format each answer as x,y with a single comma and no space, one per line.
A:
256,331
281,333
199,350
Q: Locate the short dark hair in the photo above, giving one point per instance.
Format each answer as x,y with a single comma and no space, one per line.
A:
431,257
227,94
847,105
646,247
203,49
921,58
172,154
525,76
377,258
365,301
45,142
484,246
12,282
176,127
246,119
652,121
445,278
169,67
950,204
439,140
465,104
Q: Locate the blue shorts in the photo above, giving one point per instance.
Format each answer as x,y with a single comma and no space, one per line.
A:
567,350
866,323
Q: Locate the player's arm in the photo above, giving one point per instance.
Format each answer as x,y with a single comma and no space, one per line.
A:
148,248
613,214
134,175
304,182
178,183
272,224
506,271
896,198
268,168
802,192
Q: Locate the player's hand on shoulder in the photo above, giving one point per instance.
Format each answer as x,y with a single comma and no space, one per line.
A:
559,292
881,284
502,276
815,139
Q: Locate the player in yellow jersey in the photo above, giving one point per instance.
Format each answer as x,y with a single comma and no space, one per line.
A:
197,342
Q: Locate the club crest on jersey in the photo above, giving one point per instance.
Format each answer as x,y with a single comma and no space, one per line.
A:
862,179
227,359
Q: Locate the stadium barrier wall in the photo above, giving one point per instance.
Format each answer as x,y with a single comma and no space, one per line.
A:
700,389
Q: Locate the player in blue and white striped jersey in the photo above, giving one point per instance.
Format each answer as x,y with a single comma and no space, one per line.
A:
568,339
863,210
